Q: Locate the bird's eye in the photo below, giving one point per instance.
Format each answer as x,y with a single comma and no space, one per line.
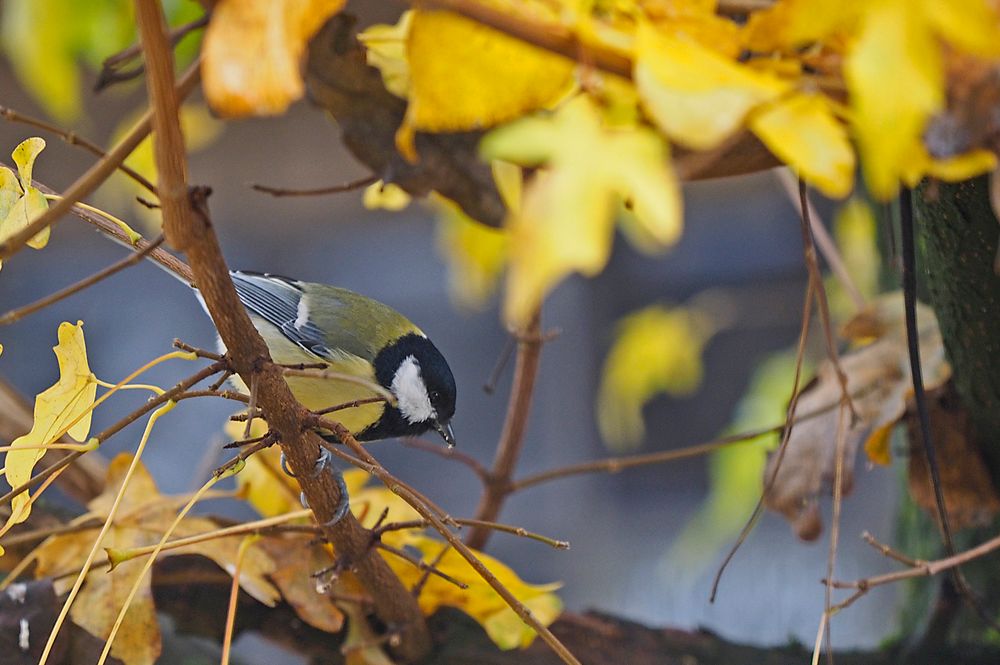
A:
434,395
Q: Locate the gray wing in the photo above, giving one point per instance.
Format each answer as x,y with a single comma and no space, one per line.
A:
278,300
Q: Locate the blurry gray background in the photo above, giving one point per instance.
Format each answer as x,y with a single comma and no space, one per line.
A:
740,235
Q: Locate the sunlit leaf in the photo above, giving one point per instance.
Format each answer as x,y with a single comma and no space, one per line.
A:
56,408
467,76
657,350
24,157
20,202
895,77
803,133
252,50
566,219
695,95
479,601
385,49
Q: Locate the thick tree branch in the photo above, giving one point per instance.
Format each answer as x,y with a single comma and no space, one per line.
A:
187,227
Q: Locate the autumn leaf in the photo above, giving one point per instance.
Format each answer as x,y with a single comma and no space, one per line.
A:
252,53
656,350
466,76
479,601
802,131
296,559
697,96
385,50
879,383
145,515
566,219
20,202
64,405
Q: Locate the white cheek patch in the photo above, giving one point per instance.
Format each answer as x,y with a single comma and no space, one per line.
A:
411,393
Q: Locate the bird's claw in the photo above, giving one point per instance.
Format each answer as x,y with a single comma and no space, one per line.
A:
325,461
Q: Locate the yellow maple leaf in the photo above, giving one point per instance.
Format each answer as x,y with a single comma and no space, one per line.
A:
566,219
66,402
465,76
252,50
479,600
697,96
802,131
656,350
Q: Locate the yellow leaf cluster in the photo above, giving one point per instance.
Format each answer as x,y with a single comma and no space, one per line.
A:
64,408
657,350
252,51
566,219
145,515
464,76
20,202
480,601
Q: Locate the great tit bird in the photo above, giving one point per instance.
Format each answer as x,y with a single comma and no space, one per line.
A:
304,322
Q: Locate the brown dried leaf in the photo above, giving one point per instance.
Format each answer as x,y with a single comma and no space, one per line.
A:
144,516
969,494
878,380
295,562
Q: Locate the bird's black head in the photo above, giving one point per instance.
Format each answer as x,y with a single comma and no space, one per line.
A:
418,376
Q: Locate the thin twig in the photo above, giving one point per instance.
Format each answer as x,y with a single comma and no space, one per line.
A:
889,552
529,349
72,138
110,431
377,531
319,191
825,244
98,173
809,251
453,454
428,568
19,313
501,363
365,461
786,436
111,69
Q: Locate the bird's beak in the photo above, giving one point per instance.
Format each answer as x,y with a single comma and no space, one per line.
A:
444,429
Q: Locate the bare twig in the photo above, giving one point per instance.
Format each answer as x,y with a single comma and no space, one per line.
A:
428,568
377,531
786,435
809,251
364,460
19,313
529,348
319,191
448,453
825,244
502,360
188,228
96,174
73,138
112,70
918,568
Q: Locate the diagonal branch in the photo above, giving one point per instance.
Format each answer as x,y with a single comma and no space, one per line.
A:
188,227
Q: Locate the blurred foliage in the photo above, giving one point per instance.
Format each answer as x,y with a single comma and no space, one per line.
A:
50,43
657,350
736,472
